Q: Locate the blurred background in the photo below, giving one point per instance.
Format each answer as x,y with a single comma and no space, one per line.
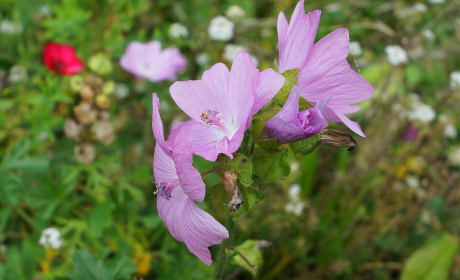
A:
75,177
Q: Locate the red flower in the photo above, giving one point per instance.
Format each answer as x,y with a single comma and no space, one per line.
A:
62,59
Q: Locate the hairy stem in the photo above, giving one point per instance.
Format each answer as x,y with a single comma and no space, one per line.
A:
222,256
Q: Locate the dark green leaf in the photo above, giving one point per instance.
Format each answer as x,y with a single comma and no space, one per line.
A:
306,146
271,166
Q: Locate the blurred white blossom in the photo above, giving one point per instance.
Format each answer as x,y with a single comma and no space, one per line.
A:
10,27
295,205
333,7
51,238
412,181
411,10
178,30
455,80
454,156
230,52
355,48
235,12
44,10
396,55
17,74
450,131
121,90
221,29
427,33
421,112
202,59
436,1
294,166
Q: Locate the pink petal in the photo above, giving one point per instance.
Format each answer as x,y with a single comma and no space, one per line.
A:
270,83
285,132
207,141
194,97
189,178
200,230
243,82
157,124
291,107
189,224
282,26
351,124
297,44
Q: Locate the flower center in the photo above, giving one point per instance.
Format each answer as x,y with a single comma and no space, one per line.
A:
58,66
164,189
211,118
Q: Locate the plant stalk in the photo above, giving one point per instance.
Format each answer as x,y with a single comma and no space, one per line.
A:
222,256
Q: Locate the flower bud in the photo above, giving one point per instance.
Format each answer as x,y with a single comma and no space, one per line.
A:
236,198
336,138
102,101
87,94
104,132
85,113
72,129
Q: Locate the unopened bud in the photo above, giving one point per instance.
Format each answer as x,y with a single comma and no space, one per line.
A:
236,198
85,153
87,94
336,138
102,101
85,113
76,83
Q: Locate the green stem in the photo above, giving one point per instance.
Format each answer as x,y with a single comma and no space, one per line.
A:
206,172
222,256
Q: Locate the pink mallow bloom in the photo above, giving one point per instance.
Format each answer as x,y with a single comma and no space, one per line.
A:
323,67
148,61
222,104
178,185
290,125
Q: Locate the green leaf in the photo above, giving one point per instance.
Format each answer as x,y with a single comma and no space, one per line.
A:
306,146
271,166
100,217
86,265
251,253
100,64
219,199
290,80
433,261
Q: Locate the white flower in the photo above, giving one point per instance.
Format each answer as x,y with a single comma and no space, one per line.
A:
450,131
294,166
421,112
221,29
294,192
334,7
412,181
230,52
177,30
295,207
235,12
396,55
51,237
355,48
455,80
202,59
427,33
44,10
433,2
412,10
10,27
121,90
420,7
17,74
454,156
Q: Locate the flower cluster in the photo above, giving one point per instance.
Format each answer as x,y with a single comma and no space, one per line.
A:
315,84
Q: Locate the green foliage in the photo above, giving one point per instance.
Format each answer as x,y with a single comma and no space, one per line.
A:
307,146
433,261
290,80
271,165
250,252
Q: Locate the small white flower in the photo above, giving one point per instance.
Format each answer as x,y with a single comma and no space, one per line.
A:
121,90
10,27
294,166
427,33
295,207
412,181
334,7
17,74
202,59
433,2
396,55
355,48
51,237
178,30
454,156
420,7
450,131
221,29
455,80
44,10
294,192
412,10
421,112
235,12
425,216
231,50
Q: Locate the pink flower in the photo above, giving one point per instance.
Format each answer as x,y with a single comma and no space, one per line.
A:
323,68
290,125
178,185
148,61
222,104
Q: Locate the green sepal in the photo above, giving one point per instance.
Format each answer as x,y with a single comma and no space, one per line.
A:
290,80
307,146
100,64
249,250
